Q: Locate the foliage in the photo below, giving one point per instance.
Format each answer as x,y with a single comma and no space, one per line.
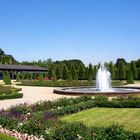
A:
130,79
5,137
101,98
73,72
65,72
94,72
112,70
51,83
121,71
6,59
43,119
11,96
134,69
77,131
22,76
9,93
41,78
17,76
121,60
90,71
58,72
27,76
50,72
54,77
81,72
7,79
69,76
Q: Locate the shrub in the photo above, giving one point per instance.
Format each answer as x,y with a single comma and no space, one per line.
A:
79,131
11,96
17,76
56,83
8,92
41,77
7,79
8,122
100,98
130,79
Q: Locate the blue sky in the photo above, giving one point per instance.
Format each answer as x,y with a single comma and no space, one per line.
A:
90,30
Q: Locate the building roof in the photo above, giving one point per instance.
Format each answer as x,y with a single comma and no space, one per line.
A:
21,67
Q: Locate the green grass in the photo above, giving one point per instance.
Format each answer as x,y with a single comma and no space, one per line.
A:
5,137
127,117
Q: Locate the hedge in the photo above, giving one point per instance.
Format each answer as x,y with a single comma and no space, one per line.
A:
11,96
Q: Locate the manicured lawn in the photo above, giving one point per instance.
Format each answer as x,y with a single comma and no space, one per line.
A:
128,117
5,137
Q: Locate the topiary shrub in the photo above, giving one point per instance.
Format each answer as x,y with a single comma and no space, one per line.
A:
7,79
130,79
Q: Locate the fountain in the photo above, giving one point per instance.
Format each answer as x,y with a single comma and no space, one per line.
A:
103,87
103,79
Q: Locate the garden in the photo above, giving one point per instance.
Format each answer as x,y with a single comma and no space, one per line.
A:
55,120
9,92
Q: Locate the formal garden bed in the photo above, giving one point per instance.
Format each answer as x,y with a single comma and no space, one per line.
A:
9,92
45,119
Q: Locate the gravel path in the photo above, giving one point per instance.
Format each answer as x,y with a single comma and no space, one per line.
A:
31,95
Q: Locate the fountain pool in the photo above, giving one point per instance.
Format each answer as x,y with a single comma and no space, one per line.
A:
103,87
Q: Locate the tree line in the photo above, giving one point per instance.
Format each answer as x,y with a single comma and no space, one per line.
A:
76,69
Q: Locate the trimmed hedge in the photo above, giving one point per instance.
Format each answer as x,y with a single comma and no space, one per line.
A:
56,83
90,104
65,83
8,92
11,96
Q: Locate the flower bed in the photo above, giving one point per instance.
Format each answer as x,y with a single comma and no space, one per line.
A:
43,119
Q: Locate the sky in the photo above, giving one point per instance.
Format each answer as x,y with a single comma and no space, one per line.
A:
91,30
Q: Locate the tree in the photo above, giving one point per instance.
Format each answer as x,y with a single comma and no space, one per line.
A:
73,72
90,71
81,72
69,76
34,76
138,63
27,76
41,77
121,60
50,72
130,79
1,52
49,62
17,76
134,69
86,73
54,77
139,73
65,72
121,71
112,70
58,73
89,77
7,79
94,72
22,76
